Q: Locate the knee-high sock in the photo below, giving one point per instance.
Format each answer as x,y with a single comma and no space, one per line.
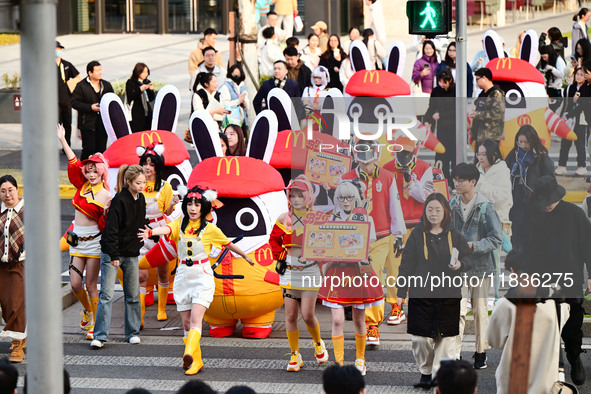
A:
94,306
82,296
338,345
294,340
360,341
315,332
142,304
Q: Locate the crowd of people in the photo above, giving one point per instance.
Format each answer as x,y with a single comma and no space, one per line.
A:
414,228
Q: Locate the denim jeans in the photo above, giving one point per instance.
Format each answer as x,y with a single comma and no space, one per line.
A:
131,290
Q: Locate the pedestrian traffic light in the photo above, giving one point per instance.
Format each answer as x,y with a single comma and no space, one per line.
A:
429,18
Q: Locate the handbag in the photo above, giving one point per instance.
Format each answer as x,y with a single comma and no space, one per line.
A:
72,238
127,108
298,25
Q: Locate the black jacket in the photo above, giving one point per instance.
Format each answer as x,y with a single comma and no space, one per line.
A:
328,61
539,167
126,217
62,87
291,88
83,98
434,311
140,121
558,243
443,102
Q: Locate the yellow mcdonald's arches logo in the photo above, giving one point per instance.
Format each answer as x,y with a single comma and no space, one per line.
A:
503,63
296,138
523,120
264,254
152,136
228,162
372,74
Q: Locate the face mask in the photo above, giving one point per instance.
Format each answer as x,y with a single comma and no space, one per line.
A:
58,53
237,78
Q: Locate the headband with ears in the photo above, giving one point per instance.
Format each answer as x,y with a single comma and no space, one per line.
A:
153,148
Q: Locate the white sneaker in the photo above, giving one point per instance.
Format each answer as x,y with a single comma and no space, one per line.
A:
560,170
360,365
134,340
581,171
96,344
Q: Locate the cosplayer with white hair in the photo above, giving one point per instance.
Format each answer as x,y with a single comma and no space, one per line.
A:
351,207
320,79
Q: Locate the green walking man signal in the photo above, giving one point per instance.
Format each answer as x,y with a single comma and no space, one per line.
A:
429,18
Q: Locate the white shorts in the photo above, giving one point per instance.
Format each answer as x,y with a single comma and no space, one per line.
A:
193,285
90,248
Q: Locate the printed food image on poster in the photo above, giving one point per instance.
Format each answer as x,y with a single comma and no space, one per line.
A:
327,168
336,241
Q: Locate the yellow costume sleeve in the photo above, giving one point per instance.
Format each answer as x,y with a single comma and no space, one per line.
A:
165,197
213,236
175,228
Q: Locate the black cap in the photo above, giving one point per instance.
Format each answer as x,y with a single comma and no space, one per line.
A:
59,45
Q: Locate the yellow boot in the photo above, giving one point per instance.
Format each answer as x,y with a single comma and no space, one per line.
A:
190,348
17,355
142,309
162,297
197,360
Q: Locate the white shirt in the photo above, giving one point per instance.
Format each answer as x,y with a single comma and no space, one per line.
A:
466,208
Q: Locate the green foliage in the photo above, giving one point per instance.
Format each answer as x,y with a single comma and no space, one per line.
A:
119,86
11,83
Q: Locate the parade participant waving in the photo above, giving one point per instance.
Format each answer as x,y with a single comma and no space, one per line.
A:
91,178
194,286
160,202
120,248
348,201
286,242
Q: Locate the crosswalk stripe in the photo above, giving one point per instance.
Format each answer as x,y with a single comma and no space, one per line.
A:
276,343
223,363
259,387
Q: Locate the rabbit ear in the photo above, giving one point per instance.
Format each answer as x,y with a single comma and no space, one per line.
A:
397,58
205,133
166,109
113,115
493,45
263,136
334,113
280,103
359,56
529,47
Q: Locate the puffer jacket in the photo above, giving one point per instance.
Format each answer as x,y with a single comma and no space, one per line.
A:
495,185
483,228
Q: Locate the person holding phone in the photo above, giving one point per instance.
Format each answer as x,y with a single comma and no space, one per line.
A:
423,72
140,96
206,96
332,59
433,313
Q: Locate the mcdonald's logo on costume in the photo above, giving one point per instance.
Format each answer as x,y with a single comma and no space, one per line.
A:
372,74
523,120
264,255
152,137
503,63
228,162
297,134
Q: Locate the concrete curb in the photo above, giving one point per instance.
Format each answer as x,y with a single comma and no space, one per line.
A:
68,297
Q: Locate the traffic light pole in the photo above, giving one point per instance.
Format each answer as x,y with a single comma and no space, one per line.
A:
461,85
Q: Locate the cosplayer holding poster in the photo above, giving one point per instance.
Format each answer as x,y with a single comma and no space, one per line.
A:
384,207
298,277
349,275
91,179
194,287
